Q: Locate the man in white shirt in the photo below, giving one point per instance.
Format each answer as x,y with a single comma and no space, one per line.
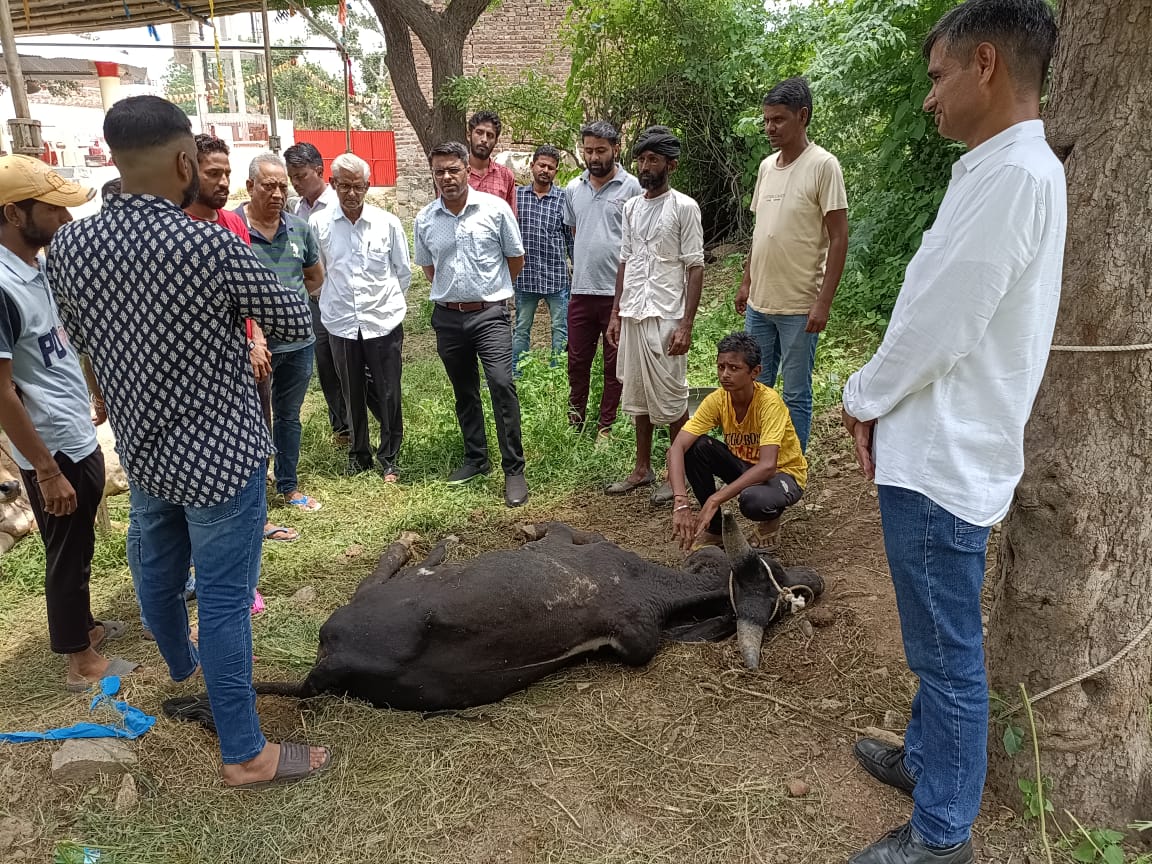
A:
306,172
362,306
938,414
658,284
469,244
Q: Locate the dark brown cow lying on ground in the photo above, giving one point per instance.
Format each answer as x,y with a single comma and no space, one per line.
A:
438,636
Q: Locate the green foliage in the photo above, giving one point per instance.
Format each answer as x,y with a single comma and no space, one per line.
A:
693,65
1036,800
306,93
703,66
1100,845
1013,739
530,105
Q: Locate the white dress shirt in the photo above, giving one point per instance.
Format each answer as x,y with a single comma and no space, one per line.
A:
662,240
953,383
366,272
326,200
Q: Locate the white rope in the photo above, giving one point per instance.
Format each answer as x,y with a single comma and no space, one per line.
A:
1104,349
1095,670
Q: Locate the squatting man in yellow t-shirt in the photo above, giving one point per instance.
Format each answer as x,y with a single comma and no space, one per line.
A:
798,249
759,461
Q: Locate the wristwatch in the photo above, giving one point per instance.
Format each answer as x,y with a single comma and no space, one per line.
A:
251,345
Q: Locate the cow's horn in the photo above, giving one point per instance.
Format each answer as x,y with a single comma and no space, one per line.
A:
735,544
750,636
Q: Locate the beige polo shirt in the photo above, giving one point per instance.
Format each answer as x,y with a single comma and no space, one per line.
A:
790,243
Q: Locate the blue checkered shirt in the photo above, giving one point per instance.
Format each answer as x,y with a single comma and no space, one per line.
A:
547,242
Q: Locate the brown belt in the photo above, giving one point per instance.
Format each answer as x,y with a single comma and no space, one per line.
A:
479,306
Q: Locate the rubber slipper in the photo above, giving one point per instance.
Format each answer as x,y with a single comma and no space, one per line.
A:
623,487
308,505
194,709
662,496
117,666
295,764
112,630
281,529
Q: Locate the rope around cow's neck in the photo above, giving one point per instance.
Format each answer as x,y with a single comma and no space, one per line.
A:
793,596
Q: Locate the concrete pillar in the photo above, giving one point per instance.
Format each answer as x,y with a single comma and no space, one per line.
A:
109,77
25,131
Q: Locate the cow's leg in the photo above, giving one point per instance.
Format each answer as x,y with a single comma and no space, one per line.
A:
637,643
561,533
394,557
439,552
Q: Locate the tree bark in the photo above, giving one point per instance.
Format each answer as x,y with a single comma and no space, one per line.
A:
1075,569
442,32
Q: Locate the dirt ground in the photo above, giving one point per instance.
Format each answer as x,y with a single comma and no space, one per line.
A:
691,759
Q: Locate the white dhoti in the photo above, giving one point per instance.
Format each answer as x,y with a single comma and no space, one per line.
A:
655,384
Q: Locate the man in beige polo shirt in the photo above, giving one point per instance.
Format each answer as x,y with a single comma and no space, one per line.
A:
798,249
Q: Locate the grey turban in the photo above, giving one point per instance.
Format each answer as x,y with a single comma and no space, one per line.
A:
658,140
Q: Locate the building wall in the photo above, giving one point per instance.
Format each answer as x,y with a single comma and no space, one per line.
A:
510,36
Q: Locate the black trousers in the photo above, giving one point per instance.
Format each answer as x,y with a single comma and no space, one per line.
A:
330,377
708,459
369,371
69,542
461,339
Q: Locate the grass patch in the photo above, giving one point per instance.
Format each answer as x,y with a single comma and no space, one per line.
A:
598,764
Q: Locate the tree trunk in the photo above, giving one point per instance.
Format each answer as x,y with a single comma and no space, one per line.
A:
442,32
1075,570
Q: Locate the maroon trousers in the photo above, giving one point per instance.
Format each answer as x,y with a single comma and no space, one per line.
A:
588,317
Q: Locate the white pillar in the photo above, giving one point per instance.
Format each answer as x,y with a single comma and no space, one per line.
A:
109,76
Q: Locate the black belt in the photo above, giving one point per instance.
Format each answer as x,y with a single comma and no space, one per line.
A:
478,306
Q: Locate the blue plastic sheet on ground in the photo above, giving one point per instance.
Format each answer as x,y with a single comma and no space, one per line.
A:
133,722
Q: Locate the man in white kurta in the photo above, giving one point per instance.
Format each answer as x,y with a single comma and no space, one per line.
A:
658,289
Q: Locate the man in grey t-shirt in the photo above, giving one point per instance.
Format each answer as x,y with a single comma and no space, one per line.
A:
44,408
593,204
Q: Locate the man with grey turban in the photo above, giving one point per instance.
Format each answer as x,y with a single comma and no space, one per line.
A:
658,288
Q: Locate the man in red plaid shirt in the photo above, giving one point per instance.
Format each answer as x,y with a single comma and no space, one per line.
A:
484,175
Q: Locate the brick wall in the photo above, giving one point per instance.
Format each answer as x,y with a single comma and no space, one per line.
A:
510,36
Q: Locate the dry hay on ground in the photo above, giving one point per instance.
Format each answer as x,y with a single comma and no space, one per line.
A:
685,760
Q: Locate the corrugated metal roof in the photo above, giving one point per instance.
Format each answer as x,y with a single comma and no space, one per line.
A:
68,69
39,17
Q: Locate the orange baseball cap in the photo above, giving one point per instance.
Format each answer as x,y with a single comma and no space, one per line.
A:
22,177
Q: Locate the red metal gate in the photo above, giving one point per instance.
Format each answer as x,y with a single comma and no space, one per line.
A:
378,149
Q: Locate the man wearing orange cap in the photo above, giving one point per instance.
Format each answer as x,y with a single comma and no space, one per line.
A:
45,410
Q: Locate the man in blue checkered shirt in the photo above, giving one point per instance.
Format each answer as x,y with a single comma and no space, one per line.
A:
547,254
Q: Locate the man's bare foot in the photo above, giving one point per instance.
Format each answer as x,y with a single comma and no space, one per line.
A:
87,664
263,767
638,478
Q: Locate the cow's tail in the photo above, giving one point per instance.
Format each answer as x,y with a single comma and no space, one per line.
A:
293,689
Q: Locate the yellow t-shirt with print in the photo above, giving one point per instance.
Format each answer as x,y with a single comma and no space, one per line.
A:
767,422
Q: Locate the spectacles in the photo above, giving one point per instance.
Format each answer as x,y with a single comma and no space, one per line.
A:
345,188
447,172
273,186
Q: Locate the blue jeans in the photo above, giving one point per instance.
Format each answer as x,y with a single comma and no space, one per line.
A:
937,564
291,372
224,541
786,347
526,304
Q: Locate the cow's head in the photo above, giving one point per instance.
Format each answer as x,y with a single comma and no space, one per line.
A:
761,589
9,485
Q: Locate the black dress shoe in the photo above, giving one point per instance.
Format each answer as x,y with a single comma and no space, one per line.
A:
902,846
515,490
468,472
885,763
